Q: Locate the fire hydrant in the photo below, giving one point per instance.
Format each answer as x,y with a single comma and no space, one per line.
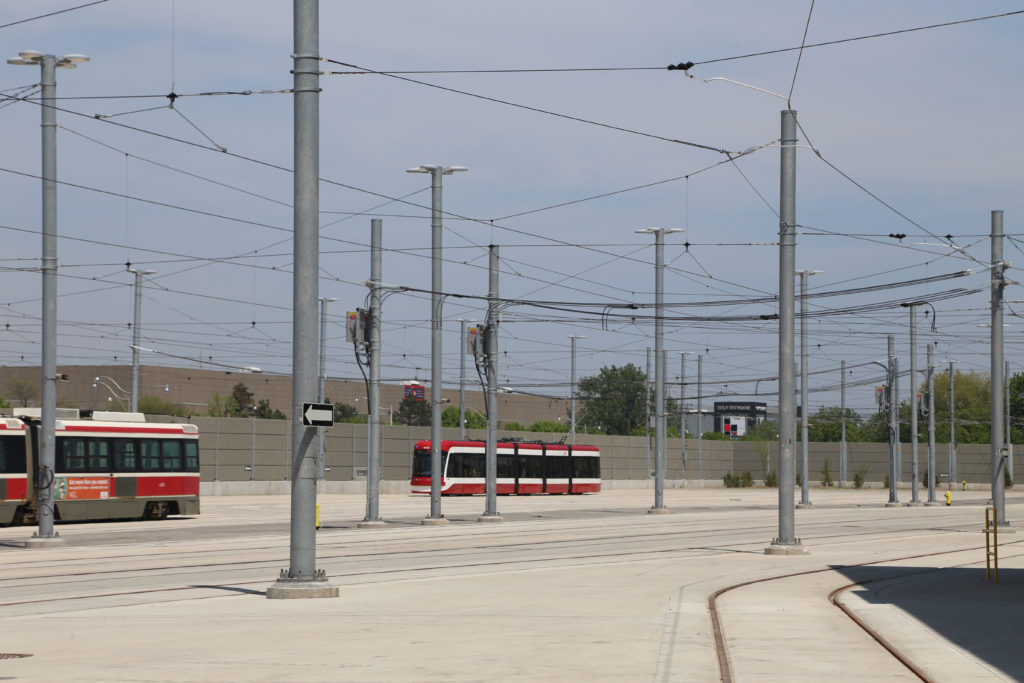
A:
318,511
949,497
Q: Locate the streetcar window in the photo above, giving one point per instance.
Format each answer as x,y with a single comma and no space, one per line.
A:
12,454
531,467
455,465
150,456
171,451
473,466
586,468
558,467
99,455
506,466
421,463
71,455
191,456
125,457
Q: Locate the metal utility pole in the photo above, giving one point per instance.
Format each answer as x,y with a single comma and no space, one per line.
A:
322,456
372,519
682,406
462,379
999,455
842,421
137,336
805,501
491,448
436,173
647,414
914,499
660,420
931,424
786,542
302,579
49,64
952,429
700,418
894,422
572,379
1008,443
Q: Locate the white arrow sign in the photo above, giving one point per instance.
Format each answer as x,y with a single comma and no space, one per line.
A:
318,414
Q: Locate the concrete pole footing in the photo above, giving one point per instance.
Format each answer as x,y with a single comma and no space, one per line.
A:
372,524
290,590
915,504
490,518
786,549
894,505
804,506
54,541
659,511
434,521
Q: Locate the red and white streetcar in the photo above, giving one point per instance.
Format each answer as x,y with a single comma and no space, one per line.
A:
112,466
523,468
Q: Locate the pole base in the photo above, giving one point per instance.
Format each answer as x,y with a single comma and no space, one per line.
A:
659,511
897,504
37,541
490,518
932,503
291,588
777,548
915,504
372,524
804,506
434,521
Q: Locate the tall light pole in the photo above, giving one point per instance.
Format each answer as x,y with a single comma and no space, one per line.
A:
931,425
659,363
137,336
321,460
842,421
805,501
1008,443
49,64
999,455
436,173
786,542
914,498
572,379
952,428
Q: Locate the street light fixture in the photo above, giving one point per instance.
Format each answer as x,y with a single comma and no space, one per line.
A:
659,362
48,399
436,173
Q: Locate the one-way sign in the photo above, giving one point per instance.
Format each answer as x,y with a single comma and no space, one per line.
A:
317,414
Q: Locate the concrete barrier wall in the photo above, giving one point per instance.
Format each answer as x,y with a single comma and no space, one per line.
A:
246,450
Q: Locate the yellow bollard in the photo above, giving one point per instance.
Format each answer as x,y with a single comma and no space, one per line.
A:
949,497
963,485
318,514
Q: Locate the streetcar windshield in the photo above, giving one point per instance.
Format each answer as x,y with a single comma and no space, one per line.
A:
421,462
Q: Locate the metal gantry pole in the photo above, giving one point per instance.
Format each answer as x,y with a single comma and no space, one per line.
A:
998,453
660,422
462,379
372,518
1008,443
786,542
931,424
682,408
321,454
805,500
302,578
572,388
700,418
491,450
435,342
136,341
647,414
914,497
894,424
842,421
952,430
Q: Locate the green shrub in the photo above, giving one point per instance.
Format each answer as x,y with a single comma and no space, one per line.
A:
1007,481
826,473
733,481
885,482
771,480
858,477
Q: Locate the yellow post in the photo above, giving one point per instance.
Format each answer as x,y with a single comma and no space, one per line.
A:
949,497
318,515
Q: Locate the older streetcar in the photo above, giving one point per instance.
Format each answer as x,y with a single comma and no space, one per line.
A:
523,468
108,466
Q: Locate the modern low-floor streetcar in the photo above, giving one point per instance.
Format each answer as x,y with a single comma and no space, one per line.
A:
111,466
523,468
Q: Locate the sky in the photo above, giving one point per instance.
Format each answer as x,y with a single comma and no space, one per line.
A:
575,136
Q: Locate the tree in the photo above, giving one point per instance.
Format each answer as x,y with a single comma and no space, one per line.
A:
22,390
826,425
762,431
343,412
222,407
265,412
474,420
549,426
243,399
614,399
154,405
412,412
